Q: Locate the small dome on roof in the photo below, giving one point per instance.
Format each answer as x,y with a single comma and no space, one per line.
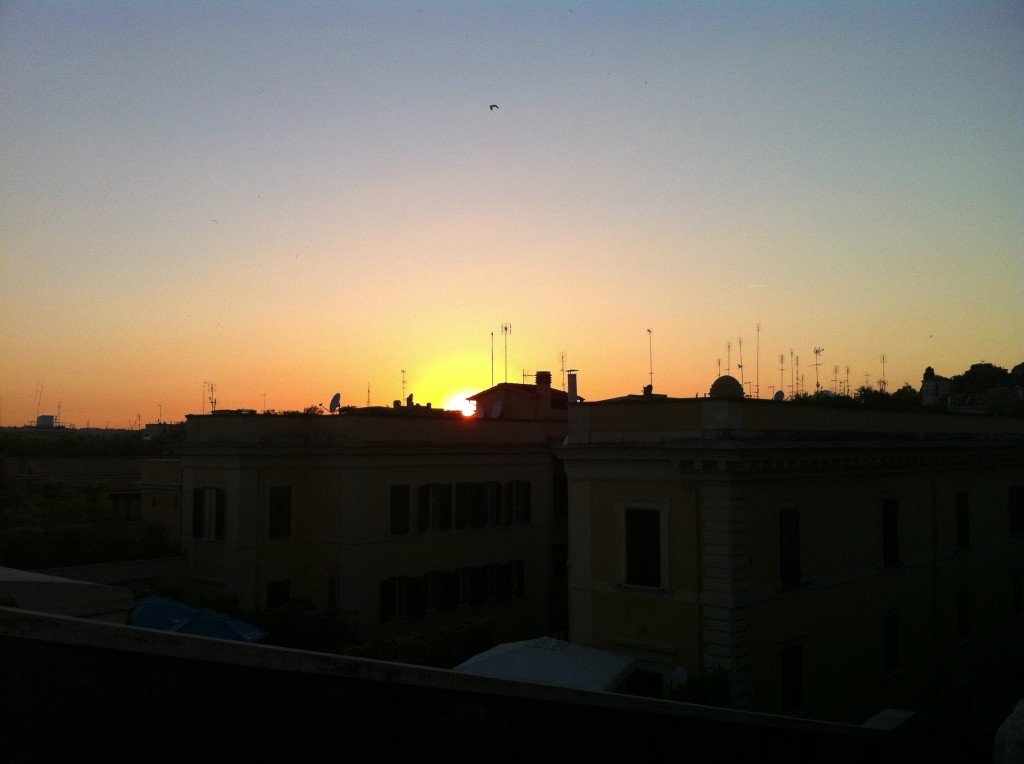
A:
726,387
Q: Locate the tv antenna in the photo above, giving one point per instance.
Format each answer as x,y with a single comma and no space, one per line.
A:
782,371
492,359
817,362
367,395
506,329
561,357
403,384
264,396
728,358
719,367
835,378
799,379
882,382
650,357
792,388
757,372
213,399
847,379
740,366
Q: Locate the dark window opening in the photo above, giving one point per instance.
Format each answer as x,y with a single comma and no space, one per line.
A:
208,514
789,546
643,547
891,642
278,594
280,525
963,521
792,678
890,532
399,510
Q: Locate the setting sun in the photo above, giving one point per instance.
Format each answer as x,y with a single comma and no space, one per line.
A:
459,402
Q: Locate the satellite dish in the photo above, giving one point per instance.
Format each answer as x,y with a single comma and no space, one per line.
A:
779,396
495,409
335,402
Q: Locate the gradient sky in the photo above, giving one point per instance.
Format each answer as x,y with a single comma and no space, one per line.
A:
294,199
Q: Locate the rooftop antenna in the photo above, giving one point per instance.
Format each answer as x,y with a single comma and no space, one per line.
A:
882,382
782,371
799,379
719,367
202,398
39,397
817,362
867,377
213,399
740,366
835,378
159,413
492,359
562,358
650,357
506,329
792,388
264,395
758,366
728,358
847,379
403,384
367,395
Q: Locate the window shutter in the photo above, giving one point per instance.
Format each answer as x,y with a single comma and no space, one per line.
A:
387,600
504,583
449,595
422,508
446,506
219,530
197,512
417,593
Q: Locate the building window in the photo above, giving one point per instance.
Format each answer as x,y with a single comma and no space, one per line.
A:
789,546
127,506
208,514
492,492
963,521
643,547
963,615
890,532
278,594
1015,507
399,510
517,497
791,682
434,509
891,642
466,587
280,525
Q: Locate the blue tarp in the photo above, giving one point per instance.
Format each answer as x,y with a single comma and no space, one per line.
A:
156,612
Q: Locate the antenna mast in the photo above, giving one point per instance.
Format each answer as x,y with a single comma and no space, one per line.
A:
882,382
650,357
758,366
817,362
403,385
728,358
492,359
213,400
799,379
562,358
506,329
782,371
740,366
367,395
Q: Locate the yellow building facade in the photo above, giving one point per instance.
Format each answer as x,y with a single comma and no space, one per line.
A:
819,562
397,519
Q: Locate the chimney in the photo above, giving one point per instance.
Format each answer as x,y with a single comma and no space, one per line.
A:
573,397
543,380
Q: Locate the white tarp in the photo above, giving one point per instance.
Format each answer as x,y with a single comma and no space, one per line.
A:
546,660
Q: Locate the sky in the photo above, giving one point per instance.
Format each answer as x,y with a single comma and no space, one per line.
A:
290,200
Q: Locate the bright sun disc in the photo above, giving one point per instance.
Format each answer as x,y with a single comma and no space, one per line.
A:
459,402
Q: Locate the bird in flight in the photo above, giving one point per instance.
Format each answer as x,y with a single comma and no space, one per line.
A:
494,106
